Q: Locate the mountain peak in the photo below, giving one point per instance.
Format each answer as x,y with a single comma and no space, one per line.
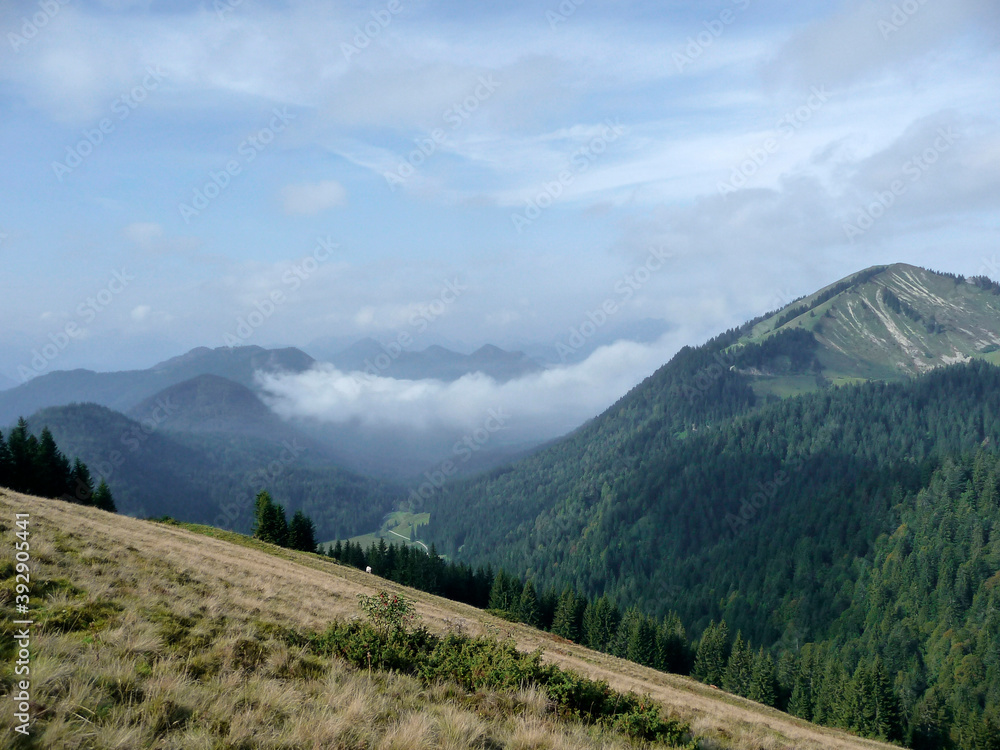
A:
884,323
489,350
207,403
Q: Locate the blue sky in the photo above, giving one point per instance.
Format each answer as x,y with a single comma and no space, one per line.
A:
541,151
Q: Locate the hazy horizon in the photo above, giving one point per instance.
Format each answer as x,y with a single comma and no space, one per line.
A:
202,174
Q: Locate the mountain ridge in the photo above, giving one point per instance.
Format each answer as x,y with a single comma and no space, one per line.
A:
124,389
435,362
888,322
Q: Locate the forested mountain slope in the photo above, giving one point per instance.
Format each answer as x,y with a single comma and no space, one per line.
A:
926,603
212,477
755,519
817,519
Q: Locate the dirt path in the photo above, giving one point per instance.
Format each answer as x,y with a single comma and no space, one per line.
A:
407,540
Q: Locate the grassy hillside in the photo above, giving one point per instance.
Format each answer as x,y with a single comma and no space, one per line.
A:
149,635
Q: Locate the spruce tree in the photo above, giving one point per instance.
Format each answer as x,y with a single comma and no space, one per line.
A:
19,444
527,608
102,498
280,521
589,633
739,669
270,524
847,706
579,610
801,701
81,484
827,694
864,695
672,646
642,642
787,671
6,463
886,725
261,515
713,654
302,533
611,617
50,468
600,624
763,681
505,593
564,623
547,603
623,633
391,561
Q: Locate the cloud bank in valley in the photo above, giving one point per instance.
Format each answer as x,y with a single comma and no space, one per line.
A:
540,406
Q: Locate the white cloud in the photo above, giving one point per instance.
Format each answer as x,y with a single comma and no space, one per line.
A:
308,199
542,405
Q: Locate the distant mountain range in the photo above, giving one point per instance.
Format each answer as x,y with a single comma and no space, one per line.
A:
371,357
192,429
884,323
123,390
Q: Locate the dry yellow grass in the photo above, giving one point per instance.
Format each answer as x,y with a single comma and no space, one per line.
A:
183,653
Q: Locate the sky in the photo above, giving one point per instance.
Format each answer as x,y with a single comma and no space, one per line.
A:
540,175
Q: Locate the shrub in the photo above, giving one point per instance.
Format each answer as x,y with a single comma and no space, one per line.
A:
491,664
389,613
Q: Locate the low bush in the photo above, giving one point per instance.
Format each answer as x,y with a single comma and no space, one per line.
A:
488,663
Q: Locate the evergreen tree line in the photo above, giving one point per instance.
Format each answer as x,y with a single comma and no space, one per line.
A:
915,658
811,684
411,566
599,624
272,525
35,466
